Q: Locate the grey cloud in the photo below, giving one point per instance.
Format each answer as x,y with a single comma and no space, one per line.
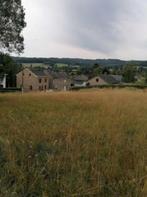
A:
86,28
95,24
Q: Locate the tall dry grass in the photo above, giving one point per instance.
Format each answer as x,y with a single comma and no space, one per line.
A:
84,144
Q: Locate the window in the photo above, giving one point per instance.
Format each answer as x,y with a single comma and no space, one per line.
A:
45,87
40,88
31,87
45,80
40,80
29,74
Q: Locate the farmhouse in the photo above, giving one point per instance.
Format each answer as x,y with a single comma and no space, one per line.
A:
105,79
34,80
3,81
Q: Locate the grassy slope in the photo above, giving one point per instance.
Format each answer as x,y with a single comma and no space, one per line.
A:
74,144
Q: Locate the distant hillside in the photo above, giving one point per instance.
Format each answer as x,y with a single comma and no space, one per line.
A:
76,61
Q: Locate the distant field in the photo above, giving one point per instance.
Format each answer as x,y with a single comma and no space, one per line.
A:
62,65
34,65
78,144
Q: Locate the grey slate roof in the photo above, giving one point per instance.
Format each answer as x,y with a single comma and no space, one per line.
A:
47,72
111,79
82,78
58,75
39,73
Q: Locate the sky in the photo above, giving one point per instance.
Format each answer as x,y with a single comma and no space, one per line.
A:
86,28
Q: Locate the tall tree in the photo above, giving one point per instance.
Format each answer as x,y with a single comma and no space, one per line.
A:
10,67
12,22
129,72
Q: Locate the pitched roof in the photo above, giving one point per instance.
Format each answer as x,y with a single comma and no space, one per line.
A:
111,79
39,73
58,75
80,78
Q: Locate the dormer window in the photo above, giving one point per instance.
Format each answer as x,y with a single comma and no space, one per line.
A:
29,74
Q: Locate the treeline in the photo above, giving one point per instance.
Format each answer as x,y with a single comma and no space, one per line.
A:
80,62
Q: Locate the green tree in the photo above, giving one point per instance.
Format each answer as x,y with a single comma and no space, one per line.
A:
9,67
129,73
12,22
145,77
96,70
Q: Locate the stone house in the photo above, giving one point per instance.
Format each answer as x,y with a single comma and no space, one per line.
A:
105,79
34,80
61,81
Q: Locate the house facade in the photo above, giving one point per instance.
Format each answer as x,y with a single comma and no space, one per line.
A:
33,80
61,81
62,84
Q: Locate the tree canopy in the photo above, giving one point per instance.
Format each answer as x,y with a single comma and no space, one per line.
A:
129,72
10,67
12,22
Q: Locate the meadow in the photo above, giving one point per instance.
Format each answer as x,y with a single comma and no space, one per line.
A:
74,144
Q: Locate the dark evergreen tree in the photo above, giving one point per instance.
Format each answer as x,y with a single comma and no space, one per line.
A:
129,73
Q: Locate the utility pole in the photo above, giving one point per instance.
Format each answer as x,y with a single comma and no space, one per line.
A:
65,88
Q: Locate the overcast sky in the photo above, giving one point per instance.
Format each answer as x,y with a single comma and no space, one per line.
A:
86,28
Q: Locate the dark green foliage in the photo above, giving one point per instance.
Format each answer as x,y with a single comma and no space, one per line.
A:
11,25
81,62
145,77
136,86
9,67
96,70
129,72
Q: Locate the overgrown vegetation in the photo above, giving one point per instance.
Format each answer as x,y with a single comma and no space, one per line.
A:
74,144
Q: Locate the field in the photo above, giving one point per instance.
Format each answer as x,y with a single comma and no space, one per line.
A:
77,144
34,65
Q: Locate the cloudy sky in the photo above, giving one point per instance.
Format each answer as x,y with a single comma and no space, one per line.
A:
86,28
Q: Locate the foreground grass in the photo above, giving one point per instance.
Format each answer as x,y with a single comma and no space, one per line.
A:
74,144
